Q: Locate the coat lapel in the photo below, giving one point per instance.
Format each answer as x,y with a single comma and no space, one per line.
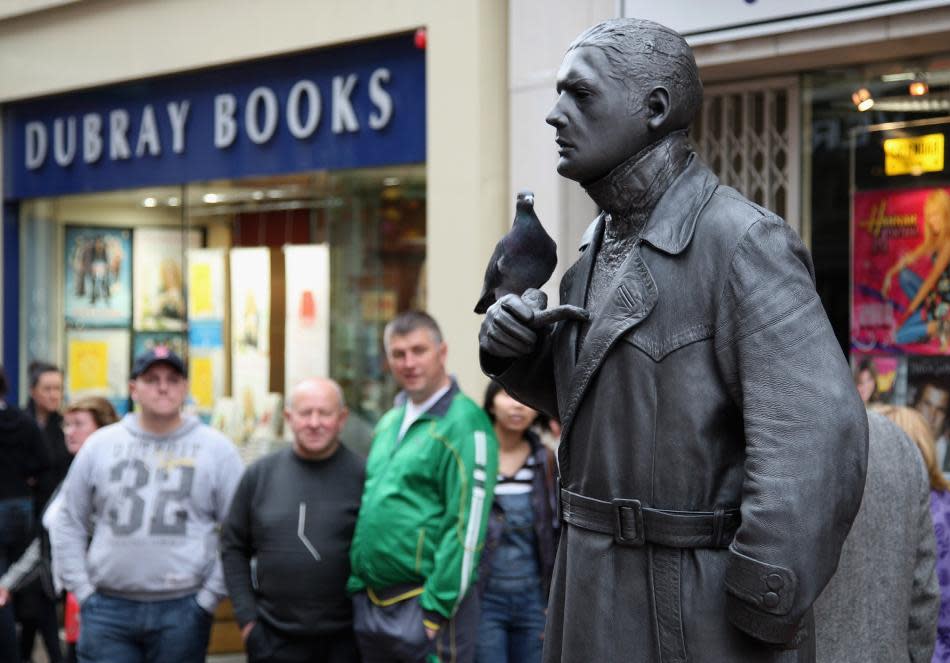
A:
633,296
573,291
634,293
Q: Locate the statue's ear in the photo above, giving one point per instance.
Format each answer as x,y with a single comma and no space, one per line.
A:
658,108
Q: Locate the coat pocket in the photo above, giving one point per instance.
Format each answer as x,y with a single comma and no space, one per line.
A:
658,345
394,627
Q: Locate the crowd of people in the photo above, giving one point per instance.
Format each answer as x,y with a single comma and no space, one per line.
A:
438,546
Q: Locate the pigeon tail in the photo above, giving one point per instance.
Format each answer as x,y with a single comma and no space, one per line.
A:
486,300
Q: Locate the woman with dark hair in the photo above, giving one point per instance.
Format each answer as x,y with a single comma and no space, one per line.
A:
83,417
46,398
22,459
518,559
35,604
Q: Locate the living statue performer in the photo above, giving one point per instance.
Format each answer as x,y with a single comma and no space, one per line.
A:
713,448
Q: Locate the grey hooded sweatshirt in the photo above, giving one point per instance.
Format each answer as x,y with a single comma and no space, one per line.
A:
141,512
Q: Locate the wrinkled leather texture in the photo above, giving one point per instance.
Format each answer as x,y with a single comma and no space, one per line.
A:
712,379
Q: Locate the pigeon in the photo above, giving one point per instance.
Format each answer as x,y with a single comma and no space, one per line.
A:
522,262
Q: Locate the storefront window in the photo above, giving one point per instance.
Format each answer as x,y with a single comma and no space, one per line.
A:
879,203
259,281
830,115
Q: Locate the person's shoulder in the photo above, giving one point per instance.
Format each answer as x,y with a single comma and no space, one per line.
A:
212,437
892,453
269,461
390,417
887,440
106,436
350,467
466,410
729,217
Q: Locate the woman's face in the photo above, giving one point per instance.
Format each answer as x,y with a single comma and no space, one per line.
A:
510,415
78,426
865,384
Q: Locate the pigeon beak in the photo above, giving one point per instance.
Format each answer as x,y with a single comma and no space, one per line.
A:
529,198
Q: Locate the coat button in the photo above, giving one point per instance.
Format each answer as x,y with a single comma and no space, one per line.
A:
775,582
770,600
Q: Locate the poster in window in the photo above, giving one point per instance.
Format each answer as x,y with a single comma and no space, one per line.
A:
98,290
174,341
307,324
206,303
880,378
158,276
901,271
928,392
250,333
97,364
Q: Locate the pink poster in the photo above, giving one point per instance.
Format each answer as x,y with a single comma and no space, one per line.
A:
901,271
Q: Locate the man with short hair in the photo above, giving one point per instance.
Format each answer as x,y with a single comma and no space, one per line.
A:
714,448
430,479
933,402
137,533
286,542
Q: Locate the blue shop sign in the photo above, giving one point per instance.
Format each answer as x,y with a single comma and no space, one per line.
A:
345,107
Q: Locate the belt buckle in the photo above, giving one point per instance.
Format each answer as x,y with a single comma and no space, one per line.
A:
638,538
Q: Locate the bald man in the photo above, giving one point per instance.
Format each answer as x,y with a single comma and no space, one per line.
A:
285,545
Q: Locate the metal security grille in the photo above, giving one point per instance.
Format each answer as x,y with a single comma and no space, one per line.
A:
748,133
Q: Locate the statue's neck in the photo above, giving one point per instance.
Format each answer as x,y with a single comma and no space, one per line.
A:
630,191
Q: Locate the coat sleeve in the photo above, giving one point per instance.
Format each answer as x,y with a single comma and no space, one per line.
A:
806,434
925,597
73,525
23,568
529,379
468,470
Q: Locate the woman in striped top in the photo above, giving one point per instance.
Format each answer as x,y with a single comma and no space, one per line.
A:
516,565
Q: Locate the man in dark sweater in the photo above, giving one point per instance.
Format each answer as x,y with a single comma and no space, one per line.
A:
285,545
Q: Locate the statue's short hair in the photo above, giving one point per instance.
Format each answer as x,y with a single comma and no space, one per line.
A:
649,54
408,322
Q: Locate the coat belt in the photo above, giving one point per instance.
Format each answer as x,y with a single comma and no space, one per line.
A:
632,524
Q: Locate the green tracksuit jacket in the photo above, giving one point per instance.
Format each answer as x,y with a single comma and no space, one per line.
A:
426,503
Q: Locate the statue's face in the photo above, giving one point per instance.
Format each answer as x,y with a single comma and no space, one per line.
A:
600,120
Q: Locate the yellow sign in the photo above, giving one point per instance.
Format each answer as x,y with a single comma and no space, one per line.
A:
200,289
914,155
202,381
88,365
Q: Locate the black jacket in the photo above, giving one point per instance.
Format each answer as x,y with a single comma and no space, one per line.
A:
710,381
59,457
23,455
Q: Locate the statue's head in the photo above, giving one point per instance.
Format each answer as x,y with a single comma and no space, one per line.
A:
623,85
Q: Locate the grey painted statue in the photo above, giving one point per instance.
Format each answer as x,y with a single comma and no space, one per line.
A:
713,449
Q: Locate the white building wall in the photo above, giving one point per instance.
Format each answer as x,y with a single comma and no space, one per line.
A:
539,34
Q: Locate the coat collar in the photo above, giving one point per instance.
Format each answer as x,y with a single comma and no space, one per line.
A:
439,408
671,226
633,292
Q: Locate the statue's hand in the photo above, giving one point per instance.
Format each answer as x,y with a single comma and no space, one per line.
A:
506,330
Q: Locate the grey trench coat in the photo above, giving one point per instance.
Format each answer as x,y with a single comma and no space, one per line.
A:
710,381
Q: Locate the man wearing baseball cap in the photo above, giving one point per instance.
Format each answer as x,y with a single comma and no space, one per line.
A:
142,503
